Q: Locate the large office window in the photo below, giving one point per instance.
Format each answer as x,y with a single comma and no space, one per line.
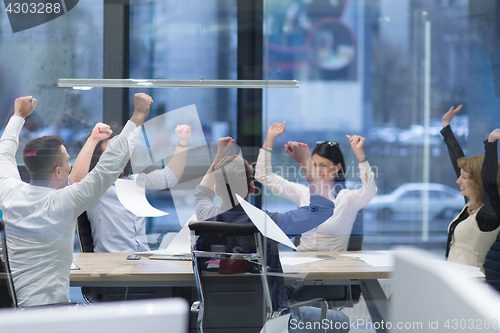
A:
383,69
31,61
185,40
386,70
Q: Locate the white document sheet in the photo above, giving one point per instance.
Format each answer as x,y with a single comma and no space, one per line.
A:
375,259
182,242
297,261
265,224
133,197
179,247
276,325
467,271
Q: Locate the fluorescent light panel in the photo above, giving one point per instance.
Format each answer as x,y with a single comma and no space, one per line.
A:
136,83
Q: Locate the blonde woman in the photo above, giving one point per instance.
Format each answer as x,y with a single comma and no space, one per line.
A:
473,231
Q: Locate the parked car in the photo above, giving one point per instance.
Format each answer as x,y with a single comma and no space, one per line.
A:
407,201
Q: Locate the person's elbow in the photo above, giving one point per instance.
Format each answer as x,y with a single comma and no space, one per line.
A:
372,191
322,205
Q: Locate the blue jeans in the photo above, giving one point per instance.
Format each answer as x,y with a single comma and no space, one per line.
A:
308,319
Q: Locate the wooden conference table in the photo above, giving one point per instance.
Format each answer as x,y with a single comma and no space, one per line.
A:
114,270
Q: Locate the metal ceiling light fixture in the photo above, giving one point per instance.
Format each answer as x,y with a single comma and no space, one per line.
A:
87,84
84,84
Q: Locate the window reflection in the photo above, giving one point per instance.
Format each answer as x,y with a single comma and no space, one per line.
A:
169,41
33,60
370,82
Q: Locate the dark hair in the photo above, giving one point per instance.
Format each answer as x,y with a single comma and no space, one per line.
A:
41,156
333,153
235,172
98,151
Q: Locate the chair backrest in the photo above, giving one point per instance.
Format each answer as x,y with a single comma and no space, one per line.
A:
230,276
356,238
84,231
7,292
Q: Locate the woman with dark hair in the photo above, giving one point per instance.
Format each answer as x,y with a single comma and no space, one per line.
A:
333,234
331,151
472,233
114,228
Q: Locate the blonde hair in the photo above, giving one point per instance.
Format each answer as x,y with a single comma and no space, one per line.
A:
473,165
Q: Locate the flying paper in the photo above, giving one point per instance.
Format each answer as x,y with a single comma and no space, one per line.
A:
133,197
265,224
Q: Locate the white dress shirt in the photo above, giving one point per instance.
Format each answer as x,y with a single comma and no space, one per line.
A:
40,221
333,234
115,228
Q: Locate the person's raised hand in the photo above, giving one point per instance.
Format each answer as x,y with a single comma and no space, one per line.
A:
184,133
275,130
298,151
24,106
357,142
224,147
494,136
142,104
448,116
101,132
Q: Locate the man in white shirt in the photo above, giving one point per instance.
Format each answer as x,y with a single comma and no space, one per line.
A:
114,227
40,217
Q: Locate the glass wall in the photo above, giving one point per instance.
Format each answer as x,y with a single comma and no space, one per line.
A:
362,68
386,70
185,41
370,68
31,62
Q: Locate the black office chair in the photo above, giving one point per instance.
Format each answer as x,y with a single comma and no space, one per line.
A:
7,292
84,232
356,237
336,296
107,294
231,278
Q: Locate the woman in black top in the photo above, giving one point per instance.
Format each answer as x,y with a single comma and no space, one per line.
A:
472,233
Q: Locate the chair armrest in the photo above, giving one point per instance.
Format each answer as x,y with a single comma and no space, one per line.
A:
226,227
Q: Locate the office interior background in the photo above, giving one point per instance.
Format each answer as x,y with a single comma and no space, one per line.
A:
383,69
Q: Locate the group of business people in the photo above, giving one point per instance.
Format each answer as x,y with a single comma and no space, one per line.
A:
473,235
40,216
